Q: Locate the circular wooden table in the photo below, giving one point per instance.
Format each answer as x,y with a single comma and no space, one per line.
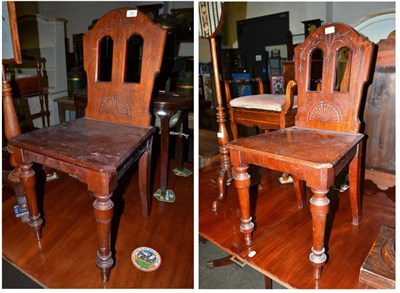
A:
166,105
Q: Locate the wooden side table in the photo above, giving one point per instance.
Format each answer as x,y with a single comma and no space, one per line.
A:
166,104
64,103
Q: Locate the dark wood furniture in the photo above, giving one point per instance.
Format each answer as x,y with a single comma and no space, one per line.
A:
231,61
116,131
166,105
77,41
80,101
29,87
266,111
63,104
324,140
379,117
379,267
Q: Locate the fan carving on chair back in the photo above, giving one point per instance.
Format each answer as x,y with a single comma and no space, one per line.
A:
332,106
117,98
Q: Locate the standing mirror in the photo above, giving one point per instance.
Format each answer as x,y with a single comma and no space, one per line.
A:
211,17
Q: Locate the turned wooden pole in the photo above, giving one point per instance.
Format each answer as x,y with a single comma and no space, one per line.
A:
11,125
225,173
211,18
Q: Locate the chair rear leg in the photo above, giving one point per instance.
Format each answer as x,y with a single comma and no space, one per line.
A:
355,185
144,179
300,191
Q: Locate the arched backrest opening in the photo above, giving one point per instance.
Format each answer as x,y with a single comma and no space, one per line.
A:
333,103
122,56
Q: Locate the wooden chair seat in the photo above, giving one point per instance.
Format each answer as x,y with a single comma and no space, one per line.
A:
267,102
87,143
293,145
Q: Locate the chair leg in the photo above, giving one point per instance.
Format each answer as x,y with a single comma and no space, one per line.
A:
242,183
319,208
300,191
28,182
267,282
234,130
103,212
144,179
355,186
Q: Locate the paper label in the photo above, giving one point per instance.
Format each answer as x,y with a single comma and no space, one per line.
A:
131,13
329,30
220,134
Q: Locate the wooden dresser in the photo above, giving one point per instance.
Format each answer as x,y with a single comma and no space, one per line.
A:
380,119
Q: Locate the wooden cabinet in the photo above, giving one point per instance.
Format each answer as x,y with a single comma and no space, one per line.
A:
379,117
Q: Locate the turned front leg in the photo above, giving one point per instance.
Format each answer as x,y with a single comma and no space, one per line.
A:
103,212
319,209
28,181
242,183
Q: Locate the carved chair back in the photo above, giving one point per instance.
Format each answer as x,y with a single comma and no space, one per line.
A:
117,96
332,105
244,87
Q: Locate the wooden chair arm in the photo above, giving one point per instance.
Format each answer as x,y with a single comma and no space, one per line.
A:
228,94
260,86
291,90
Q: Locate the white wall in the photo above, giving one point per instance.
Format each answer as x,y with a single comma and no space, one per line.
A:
80,14
346,12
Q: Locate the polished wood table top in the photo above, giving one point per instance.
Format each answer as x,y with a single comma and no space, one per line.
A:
283,231
172,101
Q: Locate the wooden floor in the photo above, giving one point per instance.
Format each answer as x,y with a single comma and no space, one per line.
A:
283,234
65,257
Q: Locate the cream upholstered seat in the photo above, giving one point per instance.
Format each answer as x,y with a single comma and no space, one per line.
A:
266,111
270,102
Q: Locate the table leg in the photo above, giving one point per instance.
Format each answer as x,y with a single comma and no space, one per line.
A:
181,140
165,116
61,113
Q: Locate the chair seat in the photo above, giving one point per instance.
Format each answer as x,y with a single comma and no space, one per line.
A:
314,148
262,102
93,144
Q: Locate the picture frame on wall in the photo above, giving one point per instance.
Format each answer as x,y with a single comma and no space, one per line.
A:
11,50
207,88
277,84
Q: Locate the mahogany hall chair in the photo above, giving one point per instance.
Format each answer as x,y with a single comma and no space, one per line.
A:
325,137
116,131
266,111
